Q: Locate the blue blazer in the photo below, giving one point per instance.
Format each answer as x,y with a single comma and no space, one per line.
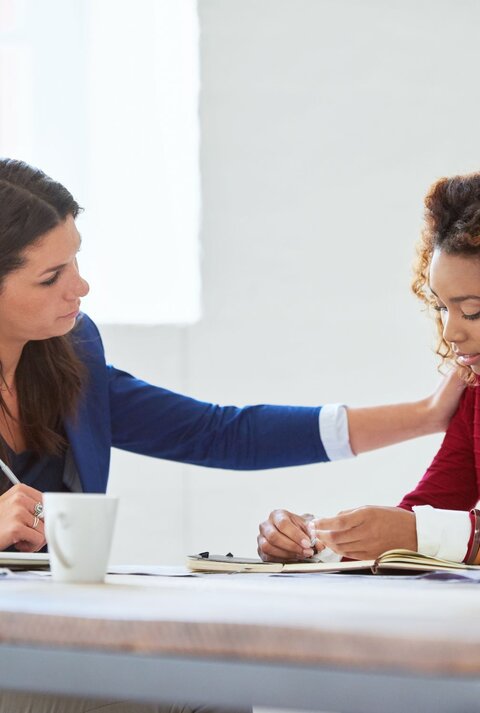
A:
118,410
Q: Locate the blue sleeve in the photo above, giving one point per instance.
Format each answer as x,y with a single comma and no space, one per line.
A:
156,422
128,413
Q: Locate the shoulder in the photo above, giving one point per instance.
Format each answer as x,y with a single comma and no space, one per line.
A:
85,326
470,397
466,419
86,338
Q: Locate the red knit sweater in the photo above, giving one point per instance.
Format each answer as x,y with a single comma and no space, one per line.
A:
452,482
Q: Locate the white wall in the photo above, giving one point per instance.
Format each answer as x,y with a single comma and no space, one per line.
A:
323,123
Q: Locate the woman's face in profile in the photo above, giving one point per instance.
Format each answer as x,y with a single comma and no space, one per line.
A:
42,298
455,283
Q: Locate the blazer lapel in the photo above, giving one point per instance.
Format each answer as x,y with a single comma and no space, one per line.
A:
90,450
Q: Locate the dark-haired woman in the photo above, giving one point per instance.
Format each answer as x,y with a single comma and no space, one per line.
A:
438,517
62,407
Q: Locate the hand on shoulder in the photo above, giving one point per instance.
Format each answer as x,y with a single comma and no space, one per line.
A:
442,404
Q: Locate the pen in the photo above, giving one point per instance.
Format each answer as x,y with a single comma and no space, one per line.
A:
10,475
308,517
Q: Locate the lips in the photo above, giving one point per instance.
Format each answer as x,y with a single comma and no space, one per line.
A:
468,359
71,315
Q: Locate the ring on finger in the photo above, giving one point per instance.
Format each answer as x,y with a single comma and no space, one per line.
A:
36,520
38,510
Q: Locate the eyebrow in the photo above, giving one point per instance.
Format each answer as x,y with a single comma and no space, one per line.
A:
60,267
460,298
52,269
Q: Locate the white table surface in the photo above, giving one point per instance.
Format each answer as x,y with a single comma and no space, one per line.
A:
326,642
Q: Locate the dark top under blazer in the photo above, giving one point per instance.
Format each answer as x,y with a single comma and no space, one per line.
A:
119,410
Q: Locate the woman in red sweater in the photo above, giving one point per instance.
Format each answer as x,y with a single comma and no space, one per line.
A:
438,517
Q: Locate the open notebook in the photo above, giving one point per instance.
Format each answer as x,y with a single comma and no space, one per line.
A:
24,560
392,560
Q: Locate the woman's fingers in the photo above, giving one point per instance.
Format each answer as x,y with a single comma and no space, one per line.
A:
344,533
19,525
284,536
292,526
363,533
24,490
23,496
345,520
443,403
26,538
271,553
368,531
273,540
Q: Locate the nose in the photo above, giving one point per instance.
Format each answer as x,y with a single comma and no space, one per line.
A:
84,287
77,287
454,329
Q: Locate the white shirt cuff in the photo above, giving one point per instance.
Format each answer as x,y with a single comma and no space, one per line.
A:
442,533
333,425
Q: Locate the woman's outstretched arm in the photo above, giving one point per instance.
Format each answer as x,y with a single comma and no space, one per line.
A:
379,426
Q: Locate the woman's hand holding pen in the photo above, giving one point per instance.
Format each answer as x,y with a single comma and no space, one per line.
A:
285,536
17,519
362,533
366,532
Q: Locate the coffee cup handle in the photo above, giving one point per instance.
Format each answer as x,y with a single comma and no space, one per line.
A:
62,519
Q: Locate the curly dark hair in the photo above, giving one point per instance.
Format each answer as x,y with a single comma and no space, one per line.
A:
452,224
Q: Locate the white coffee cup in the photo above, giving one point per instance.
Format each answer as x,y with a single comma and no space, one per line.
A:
79,531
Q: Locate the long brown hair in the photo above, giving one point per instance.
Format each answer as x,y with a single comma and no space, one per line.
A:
49,375
452,224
